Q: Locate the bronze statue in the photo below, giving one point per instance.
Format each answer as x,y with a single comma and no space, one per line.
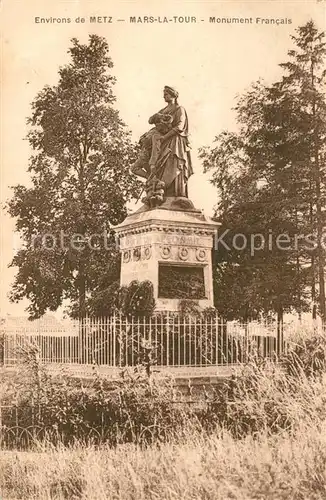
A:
164,158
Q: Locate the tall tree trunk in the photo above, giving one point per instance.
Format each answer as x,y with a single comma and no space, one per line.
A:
313,263
319,219
313,290
81,266
321,258
320,250
81,290
296,218
82,311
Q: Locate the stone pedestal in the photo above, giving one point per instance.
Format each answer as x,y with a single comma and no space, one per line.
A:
162,242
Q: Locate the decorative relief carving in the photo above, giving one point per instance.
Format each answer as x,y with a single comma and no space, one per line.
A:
201,254
147,252
144,252
167,229
166,252
183,253
126,256
136,253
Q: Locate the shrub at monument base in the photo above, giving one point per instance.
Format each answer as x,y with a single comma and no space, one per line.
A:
133,409
307,356
136,299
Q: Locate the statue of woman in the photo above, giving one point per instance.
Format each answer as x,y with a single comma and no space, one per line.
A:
165,153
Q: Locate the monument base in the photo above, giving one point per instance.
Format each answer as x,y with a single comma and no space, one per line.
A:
171,246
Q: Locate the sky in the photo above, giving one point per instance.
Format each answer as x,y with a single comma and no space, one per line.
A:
209,64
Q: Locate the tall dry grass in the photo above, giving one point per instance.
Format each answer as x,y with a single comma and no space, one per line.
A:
212,468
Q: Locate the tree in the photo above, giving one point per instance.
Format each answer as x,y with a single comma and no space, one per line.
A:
270,183
252,275
80,186
305,81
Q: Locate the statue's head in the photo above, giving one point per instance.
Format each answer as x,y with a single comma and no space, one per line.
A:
170,94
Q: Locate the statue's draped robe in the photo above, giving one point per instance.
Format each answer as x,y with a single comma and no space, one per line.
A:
174,165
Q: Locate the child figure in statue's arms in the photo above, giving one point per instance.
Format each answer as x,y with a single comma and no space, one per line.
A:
150,143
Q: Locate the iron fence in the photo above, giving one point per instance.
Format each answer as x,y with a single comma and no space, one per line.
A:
167,340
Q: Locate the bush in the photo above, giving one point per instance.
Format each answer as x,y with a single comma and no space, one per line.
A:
264,398
132,409
139,299
307,356
136,299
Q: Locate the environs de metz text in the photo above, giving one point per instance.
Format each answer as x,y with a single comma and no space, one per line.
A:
163,20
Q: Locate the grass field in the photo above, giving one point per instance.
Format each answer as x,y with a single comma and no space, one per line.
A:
212,468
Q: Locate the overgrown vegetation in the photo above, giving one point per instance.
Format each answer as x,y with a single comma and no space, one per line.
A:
264,397
262,435
130,410
135,299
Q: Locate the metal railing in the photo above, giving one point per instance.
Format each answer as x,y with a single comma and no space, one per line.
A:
169,339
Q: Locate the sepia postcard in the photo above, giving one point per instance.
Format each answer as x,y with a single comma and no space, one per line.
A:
163,250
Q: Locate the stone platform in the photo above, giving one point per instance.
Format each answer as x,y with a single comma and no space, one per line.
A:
172,241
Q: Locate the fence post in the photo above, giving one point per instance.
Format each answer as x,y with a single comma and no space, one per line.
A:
190,340
206,343
82,340
279,334
246,342
114,340
195,340
2,349
167,340
184,342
